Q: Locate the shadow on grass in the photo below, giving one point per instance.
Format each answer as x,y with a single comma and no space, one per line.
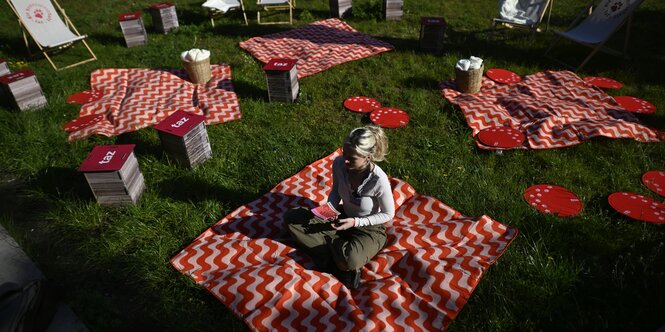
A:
112,292
246,90
420,82
61,181
108,39
189,187
15,49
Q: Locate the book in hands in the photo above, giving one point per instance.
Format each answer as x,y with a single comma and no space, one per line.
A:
325,211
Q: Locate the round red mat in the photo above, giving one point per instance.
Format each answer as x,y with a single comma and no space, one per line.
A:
388,117
553,199
638,207
84,97
655,181
635,105
502,76
361,104
82,122
603,82
501,137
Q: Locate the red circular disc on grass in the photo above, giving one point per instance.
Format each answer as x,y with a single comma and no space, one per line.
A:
638,207
603,82
553,199
501,137
635,105
655,181
388,117
84,97
361,104
503,76
82,122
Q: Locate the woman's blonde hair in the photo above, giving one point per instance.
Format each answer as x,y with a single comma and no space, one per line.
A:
368,141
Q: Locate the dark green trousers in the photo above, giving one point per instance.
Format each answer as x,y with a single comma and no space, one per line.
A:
349,249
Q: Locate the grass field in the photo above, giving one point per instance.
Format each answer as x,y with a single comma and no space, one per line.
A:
596,271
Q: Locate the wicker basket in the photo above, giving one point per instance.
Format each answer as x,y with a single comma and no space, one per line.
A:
469,81
198,71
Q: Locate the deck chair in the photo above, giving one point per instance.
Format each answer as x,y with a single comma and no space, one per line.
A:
221,7
40,20
269,5
595,29
525,14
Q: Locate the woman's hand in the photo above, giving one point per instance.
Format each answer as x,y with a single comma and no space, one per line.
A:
342,224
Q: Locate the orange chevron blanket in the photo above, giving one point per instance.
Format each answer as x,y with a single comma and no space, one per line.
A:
138,97
433,260
317,46
553,109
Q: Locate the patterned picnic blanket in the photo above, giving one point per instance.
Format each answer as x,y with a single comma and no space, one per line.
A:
317,46
552,108
433,260
139,97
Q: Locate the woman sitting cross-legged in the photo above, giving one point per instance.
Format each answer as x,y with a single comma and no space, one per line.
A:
344,244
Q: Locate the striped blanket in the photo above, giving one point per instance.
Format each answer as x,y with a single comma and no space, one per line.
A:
433,260
136,98
553,109
317,46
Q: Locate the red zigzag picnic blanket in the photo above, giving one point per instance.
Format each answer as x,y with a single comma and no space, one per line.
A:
433,260
553,109
317,46
138,97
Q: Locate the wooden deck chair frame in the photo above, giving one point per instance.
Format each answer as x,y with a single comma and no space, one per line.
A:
44,50
216,13
547,10
599,46
287,5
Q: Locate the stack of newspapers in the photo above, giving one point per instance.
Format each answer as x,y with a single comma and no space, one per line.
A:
164,17
282,77
133,29
4,67
393,9
185,139
113,174
340,8
24,89
432,30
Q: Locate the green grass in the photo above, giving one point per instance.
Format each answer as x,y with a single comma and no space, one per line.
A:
596,271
